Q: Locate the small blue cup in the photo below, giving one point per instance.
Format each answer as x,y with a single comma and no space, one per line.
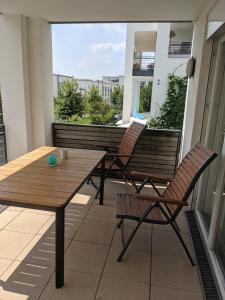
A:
52,160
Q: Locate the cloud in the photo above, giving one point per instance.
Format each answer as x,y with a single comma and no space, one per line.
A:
115,47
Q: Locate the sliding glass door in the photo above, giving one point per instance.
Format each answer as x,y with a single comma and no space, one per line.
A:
214,140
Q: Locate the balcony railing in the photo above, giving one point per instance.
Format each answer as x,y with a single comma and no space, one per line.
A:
180,48
157,150
143,66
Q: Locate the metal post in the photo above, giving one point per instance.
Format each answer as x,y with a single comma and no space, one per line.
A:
102,182
60,221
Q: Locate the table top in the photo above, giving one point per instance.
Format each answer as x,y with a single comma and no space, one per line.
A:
29,180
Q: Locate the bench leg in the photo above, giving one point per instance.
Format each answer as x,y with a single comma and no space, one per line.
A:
60,221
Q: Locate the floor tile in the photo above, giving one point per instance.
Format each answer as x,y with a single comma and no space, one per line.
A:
76,211
86,257
27,222
16,208
12,243
71,227
174,272
40,212
7,216
41,251
161,293
82,199
111,289
102,213
24,281
4,264
79,286
134,267
95,232
166,242
181,221
141,240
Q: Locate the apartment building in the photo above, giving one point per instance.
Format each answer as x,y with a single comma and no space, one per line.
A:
105,87
153,51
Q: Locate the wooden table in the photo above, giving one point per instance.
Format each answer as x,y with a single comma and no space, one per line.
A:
29,182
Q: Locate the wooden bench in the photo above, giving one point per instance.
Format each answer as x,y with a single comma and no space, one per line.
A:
156,152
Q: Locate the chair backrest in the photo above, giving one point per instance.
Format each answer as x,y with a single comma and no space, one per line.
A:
129,141
187,174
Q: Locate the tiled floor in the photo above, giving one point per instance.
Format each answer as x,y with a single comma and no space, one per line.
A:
154,268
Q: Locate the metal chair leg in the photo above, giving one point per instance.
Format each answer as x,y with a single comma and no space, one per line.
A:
183,244
126,245
119,223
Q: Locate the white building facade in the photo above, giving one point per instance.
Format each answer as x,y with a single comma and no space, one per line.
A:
153,51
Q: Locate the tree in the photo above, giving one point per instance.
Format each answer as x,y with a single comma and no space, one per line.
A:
69,101
99,112
172,111
116,98
145,97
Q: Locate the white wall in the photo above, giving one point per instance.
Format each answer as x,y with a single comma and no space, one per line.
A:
26,83
195,93
14,85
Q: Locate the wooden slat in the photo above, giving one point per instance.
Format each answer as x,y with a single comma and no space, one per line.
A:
157,150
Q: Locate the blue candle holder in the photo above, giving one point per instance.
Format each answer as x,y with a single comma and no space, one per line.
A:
52,160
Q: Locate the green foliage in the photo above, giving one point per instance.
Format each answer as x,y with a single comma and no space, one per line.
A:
69,101
99,112
145,97
116,98
172,111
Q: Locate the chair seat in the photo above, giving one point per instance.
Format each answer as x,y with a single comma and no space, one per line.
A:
129,207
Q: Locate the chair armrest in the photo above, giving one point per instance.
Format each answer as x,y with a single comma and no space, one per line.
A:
160,199
155,177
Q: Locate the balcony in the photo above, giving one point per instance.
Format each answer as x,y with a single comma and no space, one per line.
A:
143,66
179,49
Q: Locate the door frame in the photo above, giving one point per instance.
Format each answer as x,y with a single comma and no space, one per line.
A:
209,237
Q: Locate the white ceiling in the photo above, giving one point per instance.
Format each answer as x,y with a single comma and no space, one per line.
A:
105,10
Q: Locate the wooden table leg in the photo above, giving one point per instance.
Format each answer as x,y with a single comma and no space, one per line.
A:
59,262
102,182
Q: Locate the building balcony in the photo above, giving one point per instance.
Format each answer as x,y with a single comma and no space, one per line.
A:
143,66
179,49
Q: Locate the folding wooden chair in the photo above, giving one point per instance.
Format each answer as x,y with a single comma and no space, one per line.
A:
164,209
117,163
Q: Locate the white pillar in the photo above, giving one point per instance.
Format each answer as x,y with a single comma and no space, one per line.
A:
136,95
160,79
128,81
26,83
14,85
40,63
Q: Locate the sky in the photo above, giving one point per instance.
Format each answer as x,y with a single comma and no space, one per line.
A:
89,51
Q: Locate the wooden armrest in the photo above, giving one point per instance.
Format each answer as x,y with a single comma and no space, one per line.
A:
161,199
155,177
